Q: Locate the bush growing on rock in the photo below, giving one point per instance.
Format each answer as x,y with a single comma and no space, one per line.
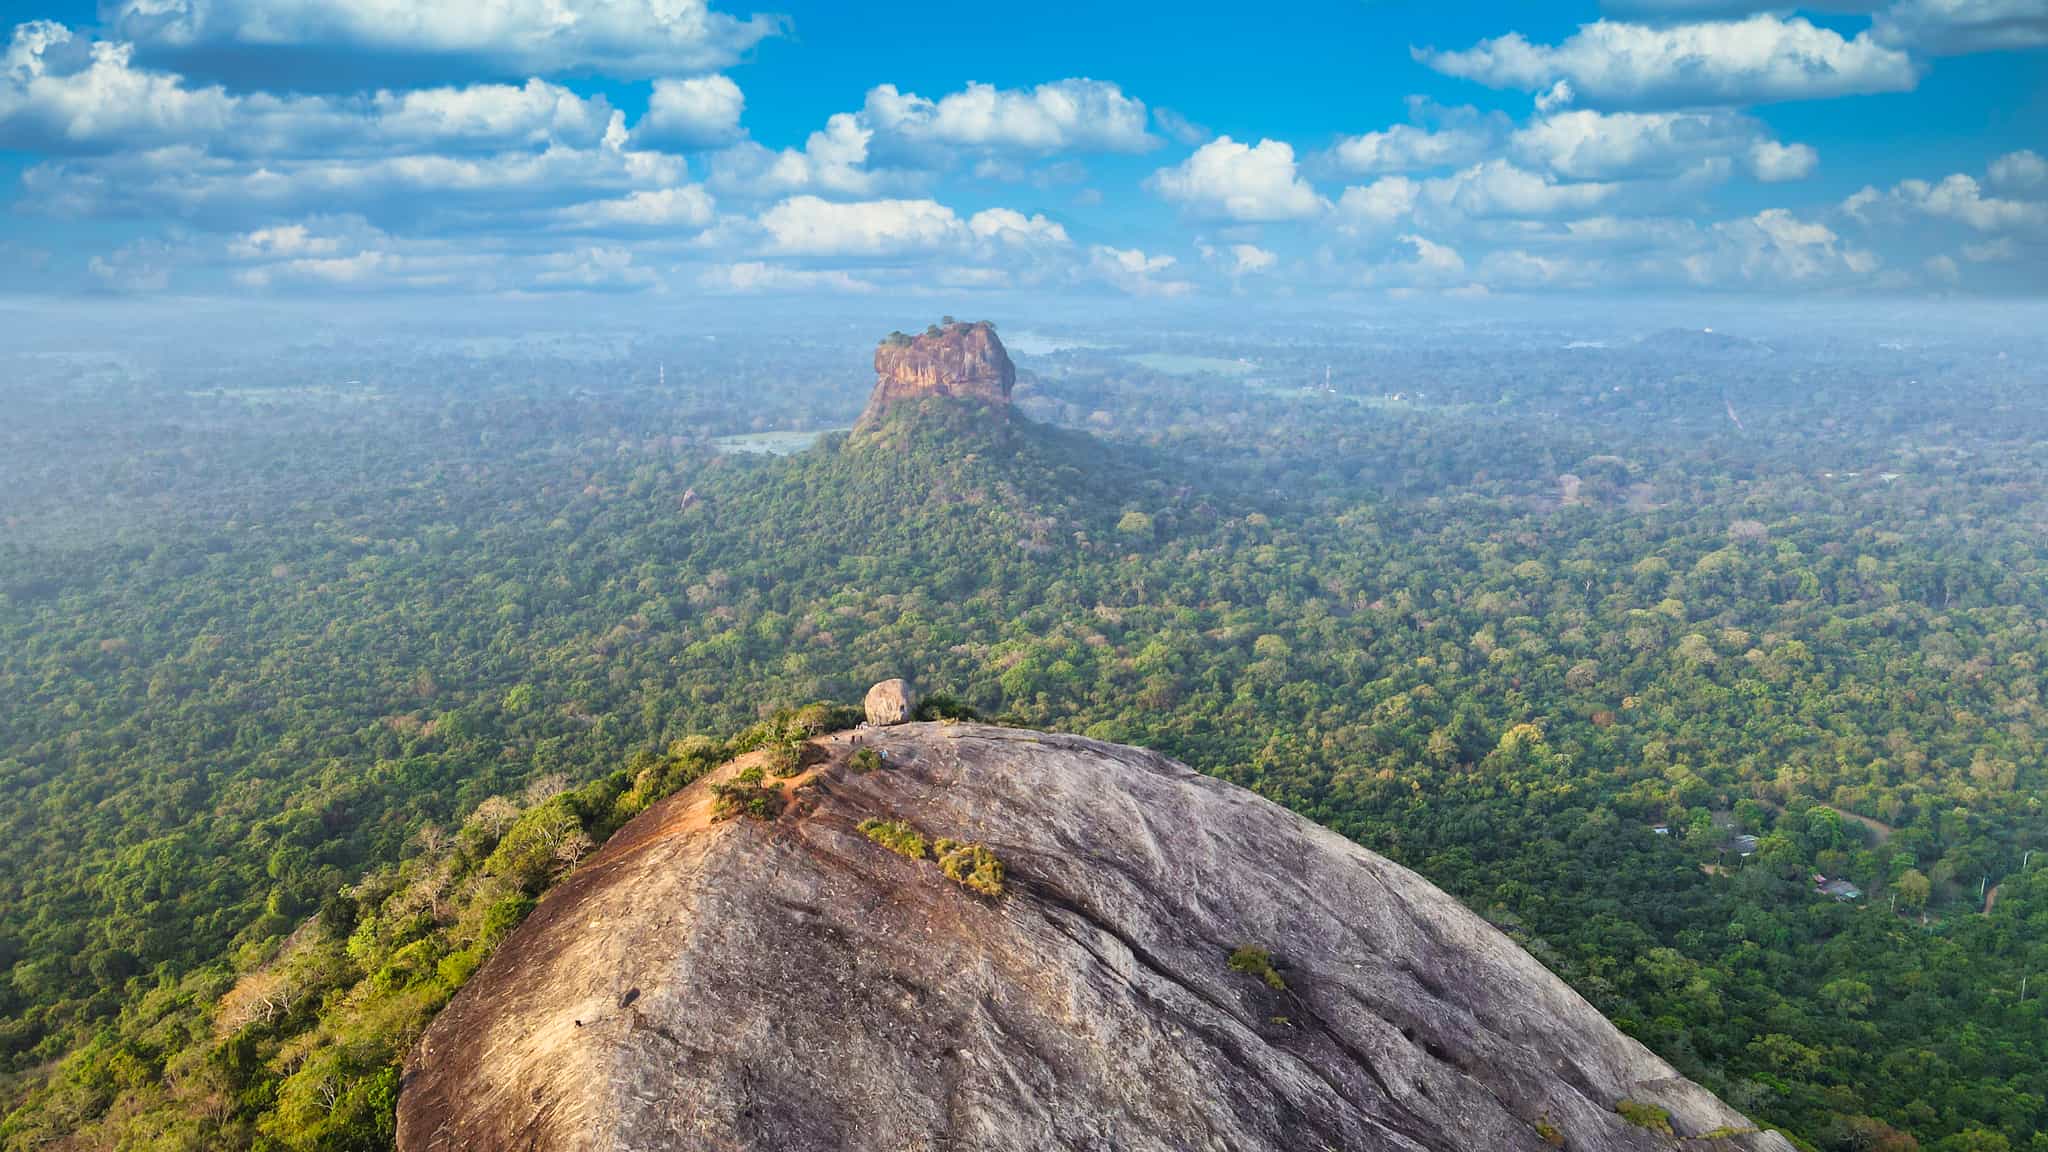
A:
896,836
746,795
864,761
1645,1116
971,866
785,759
1257,962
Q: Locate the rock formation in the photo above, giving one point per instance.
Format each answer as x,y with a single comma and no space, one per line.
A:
960,361
891,702
1169,963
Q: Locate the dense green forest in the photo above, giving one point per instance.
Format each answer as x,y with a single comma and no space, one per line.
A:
299,724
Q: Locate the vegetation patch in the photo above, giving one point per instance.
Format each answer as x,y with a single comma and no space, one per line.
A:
864,761
746,795
1647,1116
792,758
1548,1133
945,706
896,836
972,866
1257,962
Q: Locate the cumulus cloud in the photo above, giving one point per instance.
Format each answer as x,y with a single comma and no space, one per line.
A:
807,225
1250,183
1379,204
1759,59
1408,148
627,38
1495,189
755,276
898,141
1432,259
1961,199
1776,247
229,192
1950,27
1131,270
1775,163
1585,144
62,95
1435,137
1179,128
2023,171
833,159
1237,260
686,115
58,93
141,267
1011,228
1076,115
688,207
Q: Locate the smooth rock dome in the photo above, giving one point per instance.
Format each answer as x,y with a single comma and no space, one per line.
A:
796,985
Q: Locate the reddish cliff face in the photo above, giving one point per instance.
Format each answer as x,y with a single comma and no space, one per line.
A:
963,361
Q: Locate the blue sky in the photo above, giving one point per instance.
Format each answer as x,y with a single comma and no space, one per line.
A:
674,149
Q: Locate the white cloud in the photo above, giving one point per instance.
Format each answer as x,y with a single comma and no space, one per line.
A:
807,225
687,207
1249,183
1380,203
833,159
59,94
627,38
595,269
1433,259
1584,144
754,276
1776,247
1131,270
1181,129
1991,251
1407,148
141,267
1010,227
284,242
1775,163
1498,188
230,193
1961,199
2023,171
1943,269
683,115
1076,115
1949,27
1238,260
1754,60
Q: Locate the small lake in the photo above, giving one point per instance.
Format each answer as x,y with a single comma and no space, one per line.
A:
771,443
1176,364
1042,344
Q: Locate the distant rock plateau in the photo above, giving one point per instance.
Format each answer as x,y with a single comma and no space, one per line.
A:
1008,940
959,361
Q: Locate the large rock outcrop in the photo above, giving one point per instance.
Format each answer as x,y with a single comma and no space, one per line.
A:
890,702
795,986
958,361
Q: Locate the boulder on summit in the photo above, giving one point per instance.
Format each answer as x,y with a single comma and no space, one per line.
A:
891,702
